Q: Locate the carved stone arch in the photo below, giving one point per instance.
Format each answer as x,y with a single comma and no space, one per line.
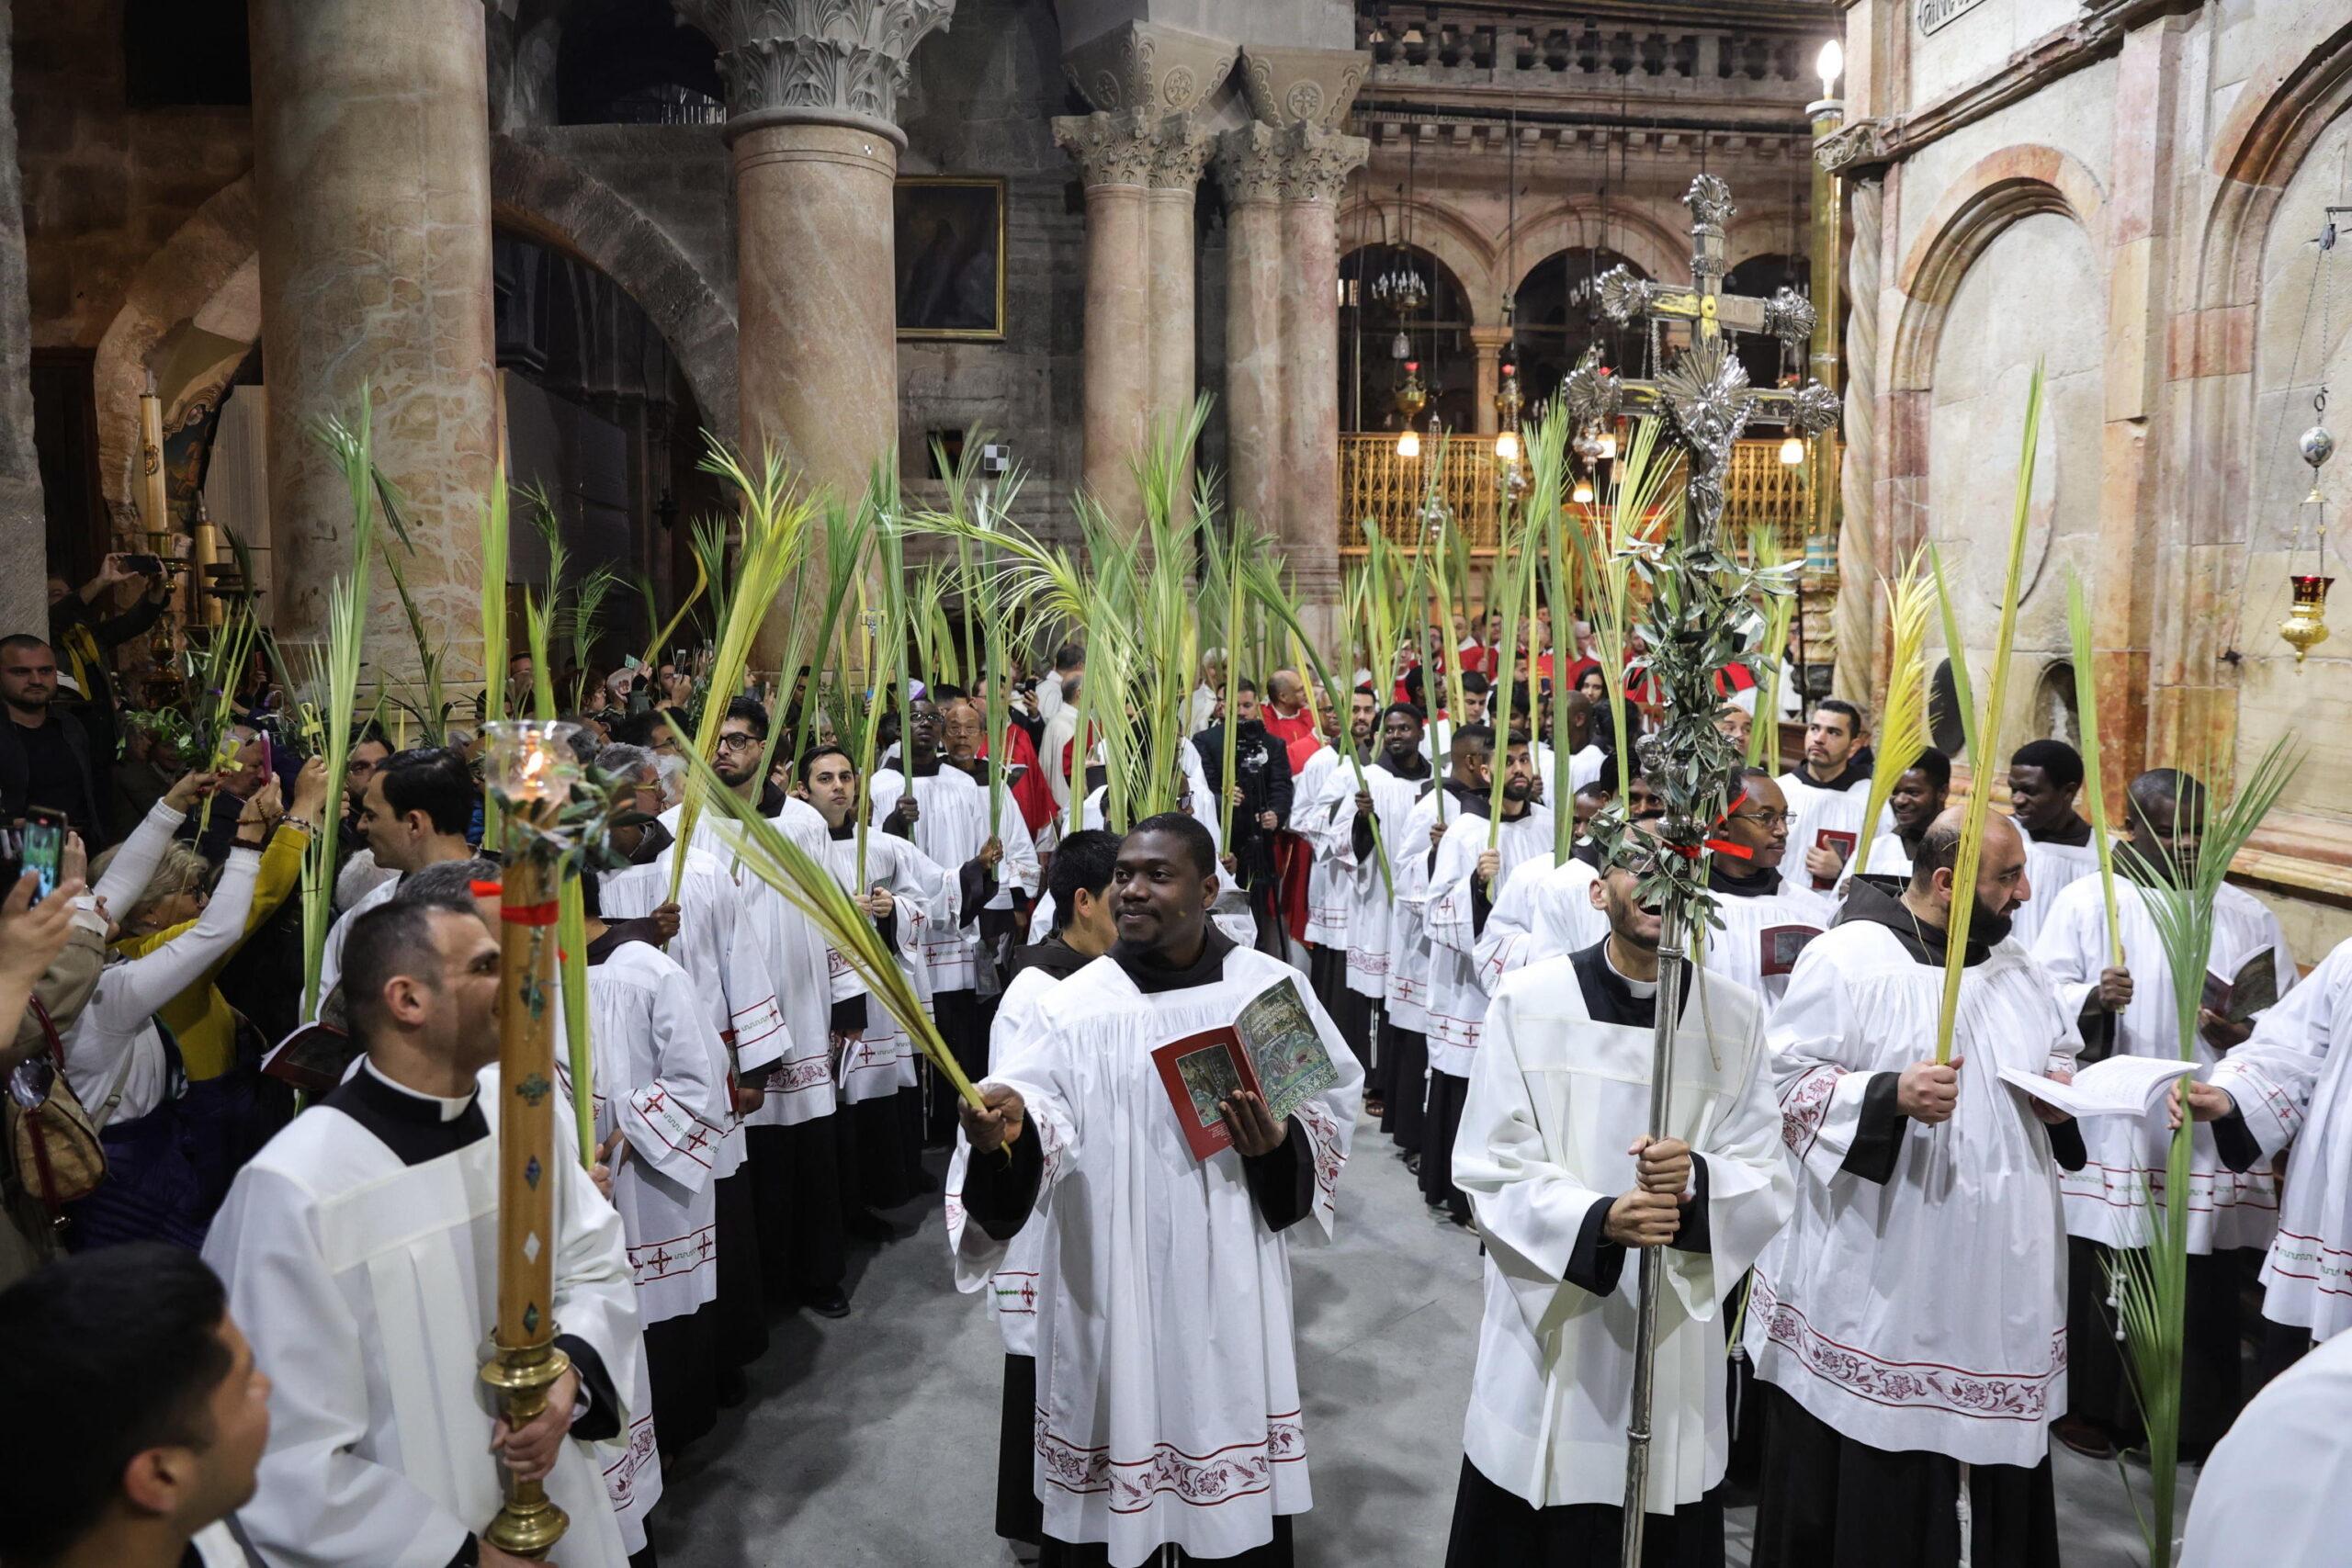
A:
196,266
1437,229
1660,249
2283,108
538,192
534,191
1992,193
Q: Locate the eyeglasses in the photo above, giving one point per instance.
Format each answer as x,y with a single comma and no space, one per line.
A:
1767,820
738,742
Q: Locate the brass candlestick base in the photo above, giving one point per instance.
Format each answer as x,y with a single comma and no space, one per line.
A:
528,1525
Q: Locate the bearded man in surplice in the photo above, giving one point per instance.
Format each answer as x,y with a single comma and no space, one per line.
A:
1564,1185
1908,1328
360,1248
1167,1401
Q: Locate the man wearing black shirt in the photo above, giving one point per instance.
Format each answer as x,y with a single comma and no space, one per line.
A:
44,756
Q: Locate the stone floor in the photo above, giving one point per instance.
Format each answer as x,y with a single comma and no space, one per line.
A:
873,1440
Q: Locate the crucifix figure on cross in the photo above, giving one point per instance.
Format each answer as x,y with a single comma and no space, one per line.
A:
1704,395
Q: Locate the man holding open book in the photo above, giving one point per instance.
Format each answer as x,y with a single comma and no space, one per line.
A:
2112,1203
1908,1328
1168,1402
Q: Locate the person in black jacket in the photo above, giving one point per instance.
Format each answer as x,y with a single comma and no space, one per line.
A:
44,756
1261,773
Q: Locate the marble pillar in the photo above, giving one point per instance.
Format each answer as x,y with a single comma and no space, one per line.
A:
1139,172
1140,155
1292,154
371,170
24,555
812,95
1249,169
1316,166
817,354
1486,345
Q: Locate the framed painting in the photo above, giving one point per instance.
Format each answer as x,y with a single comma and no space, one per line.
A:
949,239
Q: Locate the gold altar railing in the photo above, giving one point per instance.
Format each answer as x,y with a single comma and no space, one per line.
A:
1376,484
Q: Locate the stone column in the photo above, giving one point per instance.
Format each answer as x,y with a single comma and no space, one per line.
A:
1296,98
1115,154
1486,345
1316,164
371,170
1140,155
1249,167
24,530
812,95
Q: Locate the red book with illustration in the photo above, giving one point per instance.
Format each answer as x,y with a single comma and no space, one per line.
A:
1271,1049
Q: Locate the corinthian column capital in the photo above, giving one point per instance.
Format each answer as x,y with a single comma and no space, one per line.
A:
1316,161
1132,147
836,62
1249,164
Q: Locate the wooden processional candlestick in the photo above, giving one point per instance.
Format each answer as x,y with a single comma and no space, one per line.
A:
527,1362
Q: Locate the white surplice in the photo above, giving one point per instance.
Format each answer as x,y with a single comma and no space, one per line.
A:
1370,915
1167,1403
662,1081
881,1061
2290,1083
778,941
2276,1492
1555,1099
952,828
1405,991
2107,1200
2050,869
1816,811
1756,948
1314,792
368,1289
728,962
1545,911
1927,1311
1457,999
1005,1273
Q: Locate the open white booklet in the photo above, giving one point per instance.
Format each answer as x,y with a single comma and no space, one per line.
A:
2120,1086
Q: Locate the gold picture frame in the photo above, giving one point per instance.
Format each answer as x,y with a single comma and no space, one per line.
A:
947,234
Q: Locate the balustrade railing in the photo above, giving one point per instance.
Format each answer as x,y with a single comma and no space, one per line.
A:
1380,487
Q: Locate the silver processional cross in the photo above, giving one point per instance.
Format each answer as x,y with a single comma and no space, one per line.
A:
1706,401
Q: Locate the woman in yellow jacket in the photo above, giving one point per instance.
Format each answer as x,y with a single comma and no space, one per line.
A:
200,1018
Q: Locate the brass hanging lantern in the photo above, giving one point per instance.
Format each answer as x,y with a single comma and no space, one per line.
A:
2305,627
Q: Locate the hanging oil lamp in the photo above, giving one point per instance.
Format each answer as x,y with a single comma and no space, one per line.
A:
2305,627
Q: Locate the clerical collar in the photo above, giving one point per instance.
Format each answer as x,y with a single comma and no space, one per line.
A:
1610,997
1721,878
1416,767
1639,987
848,829
1854,774
2076,835
1151,975
924,769
446,1108
415,1127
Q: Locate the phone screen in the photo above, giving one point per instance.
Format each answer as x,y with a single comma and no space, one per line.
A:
44,847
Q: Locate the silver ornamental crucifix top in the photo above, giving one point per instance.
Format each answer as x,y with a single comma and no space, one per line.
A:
1704,395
